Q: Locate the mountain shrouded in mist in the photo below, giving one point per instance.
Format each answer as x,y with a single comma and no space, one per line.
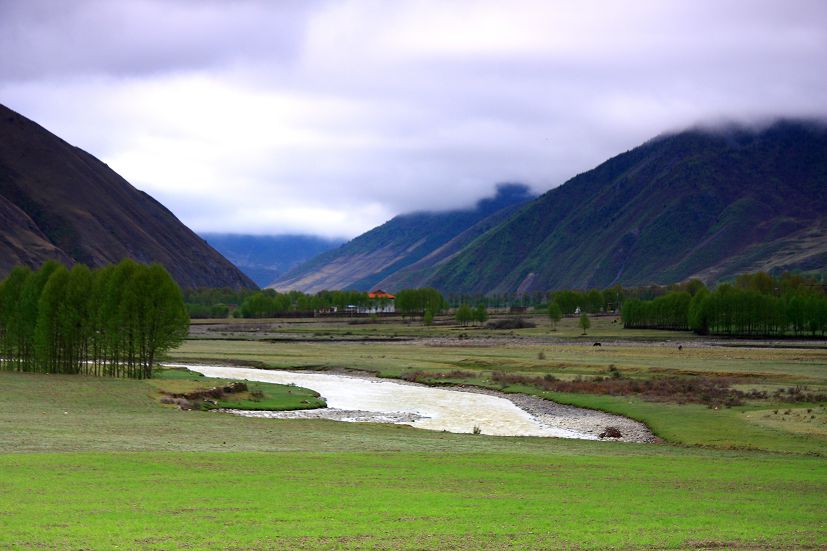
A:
401,242
700,203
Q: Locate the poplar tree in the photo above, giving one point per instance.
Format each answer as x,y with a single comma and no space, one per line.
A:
49,340
464,314
555,314
26,313
584,323
78,318
11,336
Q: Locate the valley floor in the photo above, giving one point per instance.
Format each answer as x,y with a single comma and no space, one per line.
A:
100,463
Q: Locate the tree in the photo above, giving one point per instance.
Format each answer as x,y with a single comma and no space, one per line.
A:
163,319
78,316
10,323
555,314
27,313
428,318
568,300
481,314
51,348
594,301
584,323
411,302
464,314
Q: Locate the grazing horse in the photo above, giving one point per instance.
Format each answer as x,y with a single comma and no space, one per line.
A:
680,347
597,344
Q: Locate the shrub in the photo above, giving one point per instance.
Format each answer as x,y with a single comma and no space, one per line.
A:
510,323
611,432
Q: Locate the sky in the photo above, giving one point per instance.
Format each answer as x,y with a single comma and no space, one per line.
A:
331,117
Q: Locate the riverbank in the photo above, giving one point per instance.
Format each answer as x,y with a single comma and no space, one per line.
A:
588,421
436,408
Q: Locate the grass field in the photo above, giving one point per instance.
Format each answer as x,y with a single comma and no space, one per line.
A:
410,500
748,367
97,463
258,396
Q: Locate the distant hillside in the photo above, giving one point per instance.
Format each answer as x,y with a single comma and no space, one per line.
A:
706,204
376,255
266,257
59,202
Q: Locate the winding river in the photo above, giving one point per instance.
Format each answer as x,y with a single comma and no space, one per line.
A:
363,399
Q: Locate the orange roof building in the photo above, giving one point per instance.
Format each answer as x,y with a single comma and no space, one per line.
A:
379,293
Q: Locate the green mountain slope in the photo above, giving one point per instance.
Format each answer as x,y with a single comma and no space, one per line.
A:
378,254
696,204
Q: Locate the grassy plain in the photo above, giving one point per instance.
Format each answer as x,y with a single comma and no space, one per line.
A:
404,500
566,355
258,396
97,463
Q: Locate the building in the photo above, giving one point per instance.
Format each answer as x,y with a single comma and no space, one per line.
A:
380,303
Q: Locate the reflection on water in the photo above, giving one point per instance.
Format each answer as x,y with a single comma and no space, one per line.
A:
438,408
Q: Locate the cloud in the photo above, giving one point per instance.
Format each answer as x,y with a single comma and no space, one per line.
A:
331,117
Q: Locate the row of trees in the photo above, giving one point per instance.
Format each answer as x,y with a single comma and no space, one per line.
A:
743,312
270,303
112,321
665,312
755,305
498,300
411,302
465,314
206,302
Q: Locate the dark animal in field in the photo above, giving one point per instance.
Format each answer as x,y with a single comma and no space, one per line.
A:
597,344
680,347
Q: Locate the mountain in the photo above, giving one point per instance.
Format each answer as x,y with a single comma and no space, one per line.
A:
266,257
701,203
407,239
59,202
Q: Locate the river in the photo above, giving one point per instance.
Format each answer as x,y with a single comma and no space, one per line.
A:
351,398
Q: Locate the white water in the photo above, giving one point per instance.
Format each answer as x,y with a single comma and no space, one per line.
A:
441,409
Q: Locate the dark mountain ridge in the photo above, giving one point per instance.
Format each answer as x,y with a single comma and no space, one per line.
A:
59,202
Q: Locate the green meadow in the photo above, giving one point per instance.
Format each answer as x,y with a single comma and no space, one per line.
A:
92,463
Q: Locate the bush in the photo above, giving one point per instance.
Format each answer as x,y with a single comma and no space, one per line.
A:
511,323
611,432
425,376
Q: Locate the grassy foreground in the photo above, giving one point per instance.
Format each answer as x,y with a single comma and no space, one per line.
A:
99,464
409,501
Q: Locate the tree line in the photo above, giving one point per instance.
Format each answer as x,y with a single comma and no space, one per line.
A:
206,302
465,314
753,305
269,303
422,301
111,321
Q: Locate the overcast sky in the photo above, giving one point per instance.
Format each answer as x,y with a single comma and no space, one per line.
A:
331,117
